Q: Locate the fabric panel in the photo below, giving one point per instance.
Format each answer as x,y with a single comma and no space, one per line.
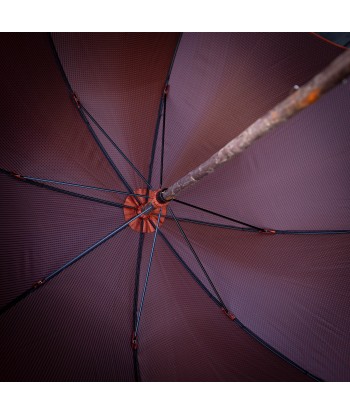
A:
290,290
119,78
78,326
184,336
43,134
296,177
41,230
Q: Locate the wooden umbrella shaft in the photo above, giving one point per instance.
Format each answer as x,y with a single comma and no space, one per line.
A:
302,98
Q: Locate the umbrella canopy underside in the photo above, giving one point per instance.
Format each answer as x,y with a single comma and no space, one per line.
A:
84,114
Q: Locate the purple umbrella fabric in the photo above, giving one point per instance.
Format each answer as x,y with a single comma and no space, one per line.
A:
90,118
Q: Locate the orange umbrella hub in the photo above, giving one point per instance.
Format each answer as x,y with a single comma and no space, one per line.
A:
134,205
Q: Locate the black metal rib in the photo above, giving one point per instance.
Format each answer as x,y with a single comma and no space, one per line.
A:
92,132
66,192
160,109
218,214
59,63
137,171
137,276
71,262
185,265
212,224
136,296
147,276
325,232
279,232
135,358
236,321
163,142
83,186
155,138
173,59
104,151
197,259
276,352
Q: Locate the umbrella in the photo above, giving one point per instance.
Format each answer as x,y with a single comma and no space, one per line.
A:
242,277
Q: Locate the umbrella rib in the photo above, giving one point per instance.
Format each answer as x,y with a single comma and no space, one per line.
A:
173,58
275,351
219,215
160,109
83,186
163,141
212,224
41,282
186,266
136,296
147,276
155,138
236,321
317,232
197,259
280,232
78,105
104,151
66,192
137,171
